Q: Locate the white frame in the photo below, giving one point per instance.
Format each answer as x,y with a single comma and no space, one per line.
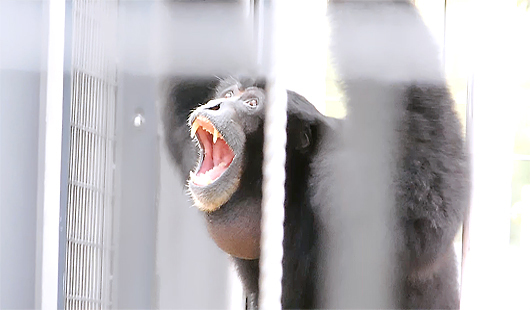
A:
52,156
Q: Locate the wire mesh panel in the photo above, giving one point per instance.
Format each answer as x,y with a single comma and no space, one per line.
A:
88,267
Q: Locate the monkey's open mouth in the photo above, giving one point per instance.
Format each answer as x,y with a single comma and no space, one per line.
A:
217,155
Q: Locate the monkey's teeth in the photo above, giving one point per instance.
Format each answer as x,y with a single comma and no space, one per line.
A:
215,135
194,128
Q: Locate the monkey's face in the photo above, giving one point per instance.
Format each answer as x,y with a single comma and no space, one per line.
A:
220,129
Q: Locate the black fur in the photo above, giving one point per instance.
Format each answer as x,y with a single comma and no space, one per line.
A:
431,184
432,195
431,192
306,128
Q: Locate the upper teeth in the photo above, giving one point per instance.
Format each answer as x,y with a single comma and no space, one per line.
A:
195,126
215,135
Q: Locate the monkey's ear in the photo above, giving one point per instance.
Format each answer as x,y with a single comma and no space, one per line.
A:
261,83
305,138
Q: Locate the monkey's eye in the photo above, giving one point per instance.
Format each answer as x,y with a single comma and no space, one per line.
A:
252,102
229,94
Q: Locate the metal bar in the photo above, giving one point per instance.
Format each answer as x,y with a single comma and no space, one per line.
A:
273,175
466,242
68,86
87,243
52,160
87,299
92,131
444,48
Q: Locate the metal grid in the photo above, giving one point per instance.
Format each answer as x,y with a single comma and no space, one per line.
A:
89,250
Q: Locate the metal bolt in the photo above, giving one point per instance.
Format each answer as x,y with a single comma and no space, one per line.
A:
139,120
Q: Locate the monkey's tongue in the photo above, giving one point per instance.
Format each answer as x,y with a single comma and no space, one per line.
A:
217,157
203,179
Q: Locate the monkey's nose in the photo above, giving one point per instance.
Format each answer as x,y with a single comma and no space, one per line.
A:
215,107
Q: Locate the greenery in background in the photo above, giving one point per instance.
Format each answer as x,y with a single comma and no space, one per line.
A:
524,3
520,177
522,133
521,168
335,105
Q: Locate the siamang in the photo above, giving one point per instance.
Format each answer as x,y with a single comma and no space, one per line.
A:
401,129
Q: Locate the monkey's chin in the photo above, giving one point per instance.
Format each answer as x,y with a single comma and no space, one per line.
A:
212,195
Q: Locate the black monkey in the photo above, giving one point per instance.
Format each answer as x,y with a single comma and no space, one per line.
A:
226,183
222,121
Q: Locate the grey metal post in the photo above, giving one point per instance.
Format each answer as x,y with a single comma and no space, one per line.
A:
65,152
21,55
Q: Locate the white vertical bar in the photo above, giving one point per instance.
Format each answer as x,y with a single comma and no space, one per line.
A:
433,15
493,135
304,43
466,245
235,300
274,172
52,155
